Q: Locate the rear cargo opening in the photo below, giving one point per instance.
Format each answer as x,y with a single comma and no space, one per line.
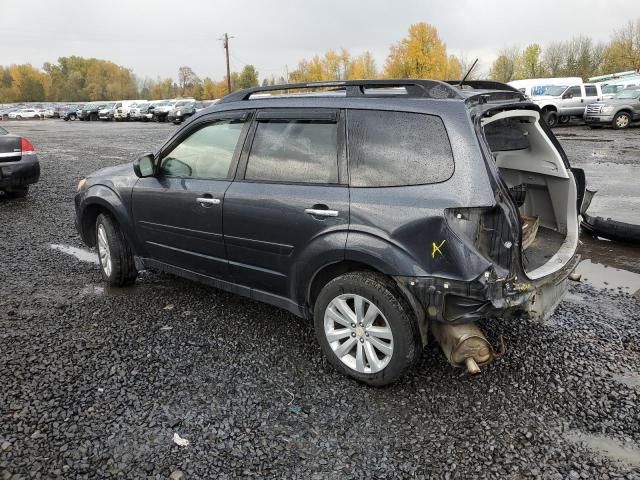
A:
540,185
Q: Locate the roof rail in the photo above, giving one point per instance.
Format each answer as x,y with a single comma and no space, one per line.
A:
483,85
356,88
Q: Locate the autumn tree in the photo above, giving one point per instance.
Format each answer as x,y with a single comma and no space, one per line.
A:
419,55
529,63
362,66
187,79
503,68
623,52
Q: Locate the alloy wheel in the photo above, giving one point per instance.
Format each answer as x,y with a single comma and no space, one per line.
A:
103,250
358,333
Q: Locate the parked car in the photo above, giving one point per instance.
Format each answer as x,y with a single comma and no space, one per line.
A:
619,112
4,114
162,109
71,112
122,109
25,113
19,166
138,111
536,87
107,111
560,103
381,211
184,109
90,111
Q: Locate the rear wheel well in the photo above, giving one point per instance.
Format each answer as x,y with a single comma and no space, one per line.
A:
334,270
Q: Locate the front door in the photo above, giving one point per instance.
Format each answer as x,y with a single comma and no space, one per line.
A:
178,212
289,199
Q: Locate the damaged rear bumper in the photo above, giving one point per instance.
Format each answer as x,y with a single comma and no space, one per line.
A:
458,302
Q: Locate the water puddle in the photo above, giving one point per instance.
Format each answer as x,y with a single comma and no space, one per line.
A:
609,264
632,381
80,253
608,447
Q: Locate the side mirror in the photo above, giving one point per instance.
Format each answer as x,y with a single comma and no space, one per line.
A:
143,166
566,96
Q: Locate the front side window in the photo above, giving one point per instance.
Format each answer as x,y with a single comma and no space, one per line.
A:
388,149
294,151
573,92
206,153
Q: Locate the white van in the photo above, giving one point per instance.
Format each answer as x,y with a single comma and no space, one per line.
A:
535,87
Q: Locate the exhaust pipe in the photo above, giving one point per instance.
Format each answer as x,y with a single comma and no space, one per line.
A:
464,345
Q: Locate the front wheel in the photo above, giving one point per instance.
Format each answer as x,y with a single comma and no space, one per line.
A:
621,121
72,117
564,119
366,328
116,259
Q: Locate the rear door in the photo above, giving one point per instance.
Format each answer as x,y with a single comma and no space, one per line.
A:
289,198
178,213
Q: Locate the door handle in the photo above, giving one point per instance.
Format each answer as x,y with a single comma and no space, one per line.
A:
317,212
205,202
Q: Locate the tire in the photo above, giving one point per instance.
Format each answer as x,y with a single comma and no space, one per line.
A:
93,117
18,192
114,253
361,357
550,117
564,119
18,117
621,121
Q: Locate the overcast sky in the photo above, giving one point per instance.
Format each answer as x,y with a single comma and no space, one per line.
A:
155,37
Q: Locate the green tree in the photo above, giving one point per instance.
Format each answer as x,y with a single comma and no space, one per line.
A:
248,77
529,63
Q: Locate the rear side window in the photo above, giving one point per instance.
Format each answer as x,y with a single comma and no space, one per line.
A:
389,149
590,91
294,151
506,134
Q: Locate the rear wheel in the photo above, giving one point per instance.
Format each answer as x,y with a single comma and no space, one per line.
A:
116,259
18,117
72,117
621,121
366,328
550,117
93,117
564,119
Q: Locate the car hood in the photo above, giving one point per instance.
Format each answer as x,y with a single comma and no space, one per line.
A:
124,170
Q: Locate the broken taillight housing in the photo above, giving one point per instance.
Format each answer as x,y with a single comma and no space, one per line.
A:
26,147
488,230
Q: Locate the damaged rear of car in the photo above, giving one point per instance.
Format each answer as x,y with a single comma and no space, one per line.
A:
528,234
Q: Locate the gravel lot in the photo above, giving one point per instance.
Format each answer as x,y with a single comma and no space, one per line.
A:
95,383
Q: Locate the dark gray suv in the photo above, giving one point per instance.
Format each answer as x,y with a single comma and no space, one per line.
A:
381,209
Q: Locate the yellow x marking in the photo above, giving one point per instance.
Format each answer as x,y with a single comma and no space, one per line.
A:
436,248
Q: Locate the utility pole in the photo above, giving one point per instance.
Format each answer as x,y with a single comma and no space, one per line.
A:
225,42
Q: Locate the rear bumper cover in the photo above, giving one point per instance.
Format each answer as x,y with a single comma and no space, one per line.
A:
20,173
457,301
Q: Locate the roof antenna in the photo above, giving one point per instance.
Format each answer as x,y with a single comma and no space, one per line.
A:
468,73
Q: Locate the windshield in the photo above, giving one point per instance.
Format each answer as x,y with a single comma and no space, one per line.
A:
628,94
553,90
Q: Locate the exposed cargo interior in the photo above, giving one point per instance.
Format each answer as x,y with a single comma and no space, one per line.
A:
540,185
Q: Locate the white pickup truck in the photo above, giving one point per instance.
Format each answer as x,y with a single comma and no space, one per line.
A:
560,103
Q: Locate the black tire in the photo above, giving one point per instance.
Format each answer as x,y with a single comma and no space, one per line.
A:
385,295
550,117
18,117
123,269
72,117
564,119
18,192
93,117
621,121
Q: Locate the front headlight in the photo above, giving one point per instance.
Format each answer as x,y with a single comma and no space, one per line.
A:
607,109
178,113
82,184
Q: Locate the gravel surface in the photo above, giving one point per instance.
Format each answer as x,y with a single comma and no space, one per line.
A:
96,383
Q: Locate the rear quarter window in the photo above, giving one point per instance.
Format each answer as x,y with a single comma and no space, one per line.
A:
390,149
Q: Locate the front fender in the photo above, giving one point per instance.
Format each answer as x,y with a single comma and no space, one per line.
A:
98,198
